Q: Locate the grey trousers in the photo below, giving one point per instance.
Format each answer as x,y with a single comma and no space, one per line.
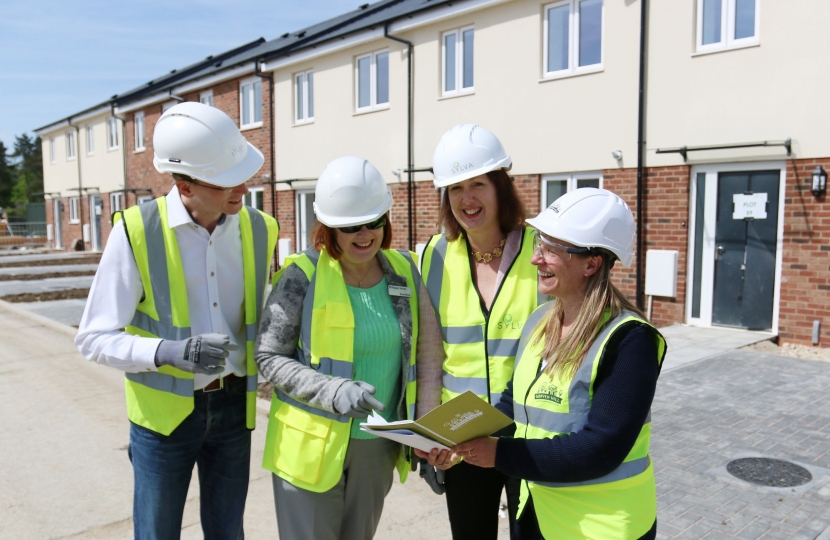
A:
348,511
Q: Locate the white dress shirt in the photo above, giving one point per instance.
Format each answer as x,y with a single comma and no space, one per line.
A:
215,294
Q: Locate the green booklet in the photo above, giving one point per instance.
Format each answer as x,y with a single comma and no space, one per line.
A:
459,420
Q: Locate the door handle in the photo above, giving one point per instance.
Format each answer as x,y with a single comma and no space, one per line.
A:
719,252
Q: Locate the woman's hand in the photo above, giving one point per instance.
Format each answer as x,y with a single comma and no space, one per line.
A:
440,459
479,452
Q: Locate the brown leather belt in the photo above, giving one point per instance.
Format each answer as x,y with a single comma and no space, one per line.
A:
218,384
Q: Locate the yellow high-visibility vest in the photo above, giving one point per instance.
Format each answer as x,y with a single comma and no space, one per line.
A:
622,504
480,348
161,400
307,446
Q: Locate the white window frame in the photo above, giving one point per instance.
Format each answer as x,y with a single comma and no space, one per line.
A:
112,133
573,43
373,64
727,29
302,227
572,180
74,209
70,145
90,140
141,199
245,86
206,97
139,131
116,202
52,150
301,90
459,63
255,193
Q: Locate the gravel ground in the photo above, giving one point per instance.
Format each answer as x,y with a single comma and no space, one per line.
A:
47,275
91,259
793,351
46,296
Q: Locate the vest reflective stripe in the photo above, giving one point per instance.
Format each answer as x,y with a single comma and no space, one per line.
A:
626,470
619,505
468,333
163,383
326,345
161,400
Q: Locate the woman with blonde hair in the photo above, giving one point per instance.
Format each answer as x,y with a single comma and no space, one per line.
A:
585,377
341,335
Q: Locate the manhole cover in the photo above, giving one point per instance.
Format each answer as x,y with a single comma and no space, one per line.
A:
769,472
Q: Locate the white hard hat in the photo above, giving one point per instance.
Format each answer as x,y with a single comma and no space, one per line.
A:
351,191
204,143
591,218
466,151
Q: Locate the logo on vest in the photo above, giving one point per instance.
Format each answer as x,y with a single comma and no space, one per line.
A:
461,419
507,323
549,392
459,167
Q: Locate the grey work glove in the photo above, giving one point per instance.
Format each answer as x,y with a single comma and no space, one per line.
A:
432,476
204,353
354,399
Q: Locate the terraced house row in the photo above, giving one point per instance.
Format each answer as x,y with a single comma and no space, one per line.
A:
707,116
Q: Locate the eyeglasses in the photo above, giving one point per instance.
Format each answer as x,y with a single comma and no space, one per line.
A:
374,225
550,250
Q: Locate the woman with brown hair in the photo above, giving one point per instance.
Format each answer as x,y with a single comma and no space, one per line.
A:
339,338
585,378
483,288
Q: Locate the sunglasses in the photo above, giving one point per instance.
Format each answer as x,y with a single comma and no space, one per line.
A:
372,226
549,250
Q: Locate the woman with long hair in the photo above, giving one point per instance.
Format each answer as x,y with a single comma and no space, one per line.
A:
483,288
585,377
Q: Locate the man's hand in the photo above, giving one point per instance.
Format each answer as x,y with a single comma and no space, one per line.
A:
480,452
204,353
434,478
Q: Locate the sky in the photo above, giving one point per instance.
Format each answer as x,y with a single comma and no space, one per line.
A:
60,57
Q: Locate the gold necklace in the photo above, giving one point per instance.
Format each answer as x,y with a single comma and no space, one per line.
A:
487,257
359,281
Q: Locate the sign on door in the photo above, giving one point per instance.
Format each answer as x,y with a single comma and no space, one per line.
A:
752,206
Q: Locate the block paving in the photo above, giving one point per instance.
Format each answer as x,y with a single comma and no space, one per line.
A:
741,404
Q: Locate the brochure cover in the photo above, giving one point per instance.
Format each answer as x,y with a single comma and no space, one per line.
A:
461,419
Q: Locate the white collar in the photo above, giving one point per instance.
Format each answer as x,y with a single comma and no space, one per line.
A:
177,214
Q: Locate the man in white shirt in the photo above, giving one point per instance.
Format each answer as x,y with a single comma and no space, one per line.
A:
175,305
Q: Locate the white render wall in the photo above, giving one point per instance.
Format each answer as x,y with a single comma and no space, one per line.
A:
565,125
103,169
772,91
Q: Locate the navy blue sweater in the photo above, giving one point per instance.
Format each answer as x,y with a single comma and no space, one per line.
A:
623,392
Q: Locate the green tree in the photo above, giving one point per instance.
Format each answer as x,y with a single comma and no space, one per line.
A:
28,152
8,176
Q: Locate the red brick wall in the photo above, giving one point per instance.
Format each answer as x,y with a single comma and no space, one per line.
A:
805,280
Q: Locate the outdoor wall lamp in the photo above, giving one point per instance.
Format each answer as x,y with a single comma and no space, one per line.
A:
819,184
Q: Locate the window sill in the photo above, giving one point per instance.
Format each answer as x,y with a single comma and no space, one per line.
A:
112,149
727,49
569,75
458,95
90,154
303,123
74,222
70,159
139,150
255,125
384,107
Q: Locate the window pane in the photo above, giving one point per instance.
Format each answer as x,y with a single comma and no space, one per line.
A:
587,182
309,84
449,63
310,218
382,78
258,201
299,92
590,32
558,38
711,21
246,104
257,102
556,188
744,19
697,272
468,59
363,82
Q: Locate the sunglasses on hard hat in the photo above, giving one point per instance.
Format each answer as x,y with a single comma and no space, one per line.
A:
374,225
